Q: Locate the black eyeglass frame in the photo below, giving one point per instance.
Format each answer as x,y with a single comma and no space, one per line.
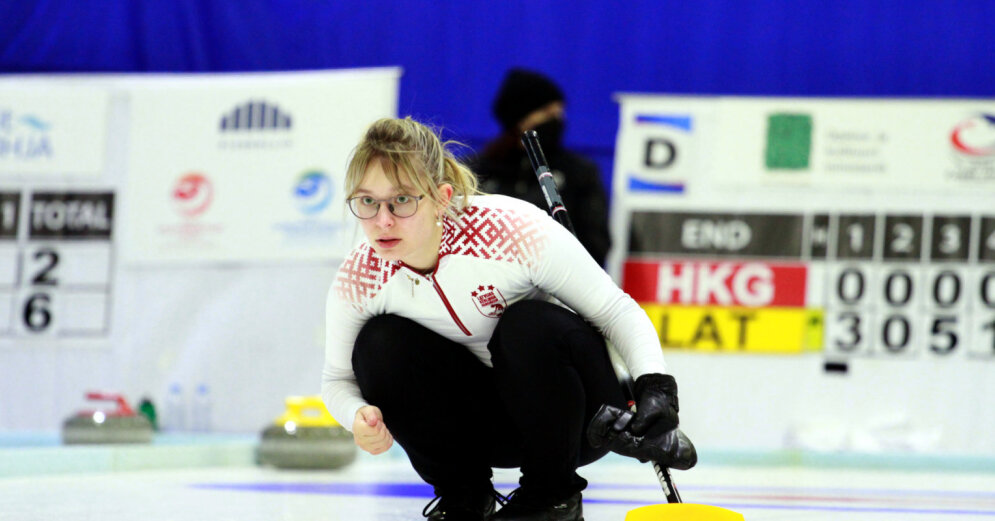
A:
390,205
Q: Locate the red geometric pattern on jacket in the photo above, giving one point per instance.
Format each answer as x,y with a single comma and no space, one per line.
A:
362,275
492,233
487,233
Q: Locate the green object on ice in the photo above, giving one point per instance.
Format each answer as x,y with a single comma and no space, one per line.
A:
147,408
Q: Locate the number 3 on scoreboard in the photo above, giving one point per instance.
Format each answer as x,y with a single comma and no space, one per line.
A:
848,333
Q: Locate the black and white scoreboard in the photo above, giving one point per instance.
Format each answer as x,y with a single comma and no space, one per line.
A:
863,284
905,284
56,263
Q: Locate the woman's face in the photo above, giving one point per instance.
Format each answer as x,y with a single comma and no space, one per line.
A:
413,240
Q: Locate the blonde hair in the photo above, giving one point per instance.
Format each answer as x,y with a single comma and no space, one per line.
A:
405,146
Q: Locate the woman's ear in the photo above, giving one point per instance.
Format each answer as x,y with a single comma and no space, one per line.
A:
446,193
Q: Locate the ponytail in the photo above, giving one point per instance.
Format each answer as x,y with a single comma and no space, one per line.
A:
463,180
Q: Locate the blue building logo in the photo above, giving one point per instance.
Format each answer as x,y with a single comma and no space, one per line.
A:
24,136
255,115
313,192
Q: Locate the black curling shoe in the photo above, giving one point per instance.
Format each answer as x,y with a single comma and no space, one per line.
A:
462,506
523,507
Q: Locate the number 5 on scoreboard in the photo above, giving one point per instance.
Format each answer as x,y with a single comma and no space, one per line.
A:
945,335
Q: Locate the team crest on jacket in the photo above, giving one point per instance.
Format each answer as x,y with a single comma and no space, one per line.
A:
489,300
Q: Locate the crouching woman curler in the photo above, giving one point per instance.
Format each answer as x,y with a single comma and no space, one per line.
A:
442,336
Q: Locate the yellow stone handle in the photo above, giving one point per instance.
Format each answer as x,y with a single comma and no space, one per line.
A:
306,411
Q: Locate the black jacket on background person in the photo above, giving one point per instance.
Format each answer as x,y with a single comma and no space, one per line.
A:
504,168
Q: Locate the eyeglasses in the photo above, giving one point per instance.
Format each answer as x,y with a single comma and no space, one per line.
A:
366,207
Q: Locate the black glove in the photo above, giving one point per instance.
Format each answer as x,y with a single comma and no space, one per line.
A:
610,427
656,405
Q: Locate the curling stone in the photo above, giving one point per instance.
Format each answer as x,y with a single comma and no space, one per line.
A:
306,437
122,425
682,512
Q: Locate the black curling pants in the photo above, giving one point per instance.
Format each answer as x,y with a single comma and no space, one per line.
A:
456,418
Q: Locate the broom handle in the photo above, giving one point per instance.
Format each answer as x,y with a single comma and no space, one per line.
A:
556,209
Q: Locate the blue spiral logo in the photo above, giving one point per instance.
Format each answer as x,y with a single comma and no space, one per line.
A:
313,192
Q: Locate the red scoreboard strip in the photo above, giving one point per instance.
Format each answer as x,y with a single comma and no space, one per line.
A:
750,284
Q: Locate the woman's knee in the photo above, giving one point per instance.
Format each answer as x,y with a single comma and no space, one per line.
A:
533,322
379,343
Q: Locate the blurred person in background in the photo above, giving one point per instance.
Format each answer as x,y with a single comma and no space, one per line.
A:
528,100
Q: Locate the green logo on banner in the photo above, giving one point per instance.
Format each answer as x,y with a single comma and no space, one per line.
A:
789,141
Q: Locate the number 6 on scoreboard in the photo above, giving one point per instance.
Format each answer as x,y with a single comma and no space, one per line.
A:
37,315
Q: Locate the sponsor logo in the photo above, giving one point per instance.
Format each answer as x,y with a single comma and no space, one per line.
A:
24,136
789,141
855,152
489,301
660,153
255,116
975,136
849,151
973,143
750,284
255,125
313,192
192,194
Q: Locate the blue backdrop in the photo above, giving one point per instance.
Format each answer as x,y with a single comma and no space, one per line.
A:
454,53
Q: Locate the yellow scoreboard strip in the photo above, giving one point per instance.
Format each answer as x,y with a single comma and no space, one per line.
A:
738,329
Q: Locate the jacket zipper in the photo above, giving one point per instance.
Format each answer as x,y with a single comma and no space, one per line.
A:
449,307
445,301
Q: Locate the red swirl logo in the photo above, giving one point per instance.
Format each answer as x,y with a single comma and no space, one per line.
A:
192,194
975,136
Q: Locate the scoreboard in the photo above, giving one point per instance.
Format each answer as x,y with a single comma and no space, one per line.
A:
56,263
840,228
820,271
899,285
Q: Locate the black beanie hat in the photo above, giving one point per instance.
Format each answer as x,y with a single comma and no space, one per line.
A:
522,92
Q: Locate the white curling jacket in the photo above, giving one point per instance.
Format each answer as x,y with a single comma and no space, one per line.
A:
498,251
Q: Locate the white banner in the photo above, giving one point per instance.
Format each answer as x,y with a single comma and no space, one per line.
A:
907,147
896,146
52,130
246,168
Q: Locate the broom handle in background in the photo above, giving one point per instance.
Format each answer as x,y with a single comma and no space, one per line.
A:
531,141
553,201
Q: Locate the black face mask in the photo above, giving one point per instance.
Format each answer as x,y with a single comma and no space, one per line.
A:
551,134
